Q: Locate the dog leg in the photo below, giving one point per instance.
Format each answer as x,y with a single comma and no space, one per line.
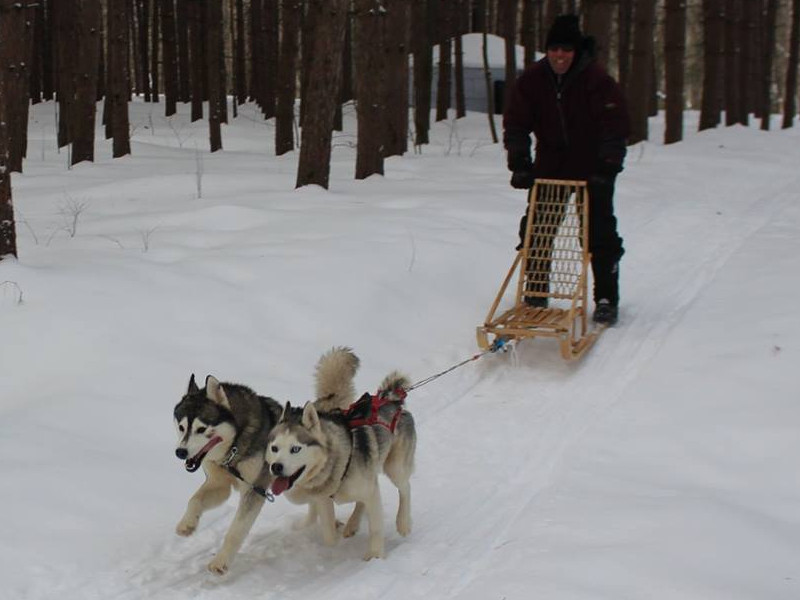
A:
327,519
398,467
250,505
214,491
354,521
307,521
375,521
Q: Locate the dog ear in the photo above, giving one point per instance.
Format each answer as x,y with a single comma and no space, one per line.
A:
286,409
193,389
310,417
216,393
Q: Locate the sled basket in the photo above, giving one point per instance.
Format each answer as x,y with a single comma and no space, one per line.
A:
552,268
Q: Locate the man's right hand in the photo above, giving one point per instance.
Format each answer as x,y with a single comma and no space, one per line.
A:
522,180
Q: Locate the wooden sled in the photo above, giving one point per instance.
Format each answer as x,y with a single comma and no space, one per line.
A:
553,267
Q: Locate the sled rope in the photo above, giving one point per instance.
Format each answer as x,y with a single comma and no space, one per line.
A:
500,344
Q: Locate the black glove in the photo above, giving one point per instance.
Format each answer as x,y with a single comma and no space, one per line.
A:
523,180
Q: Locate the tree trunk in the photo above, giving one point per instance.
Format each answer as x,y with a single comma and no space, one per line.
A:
509,32
15,60
170,54
216,79
641,69
490,108
528,30
184,14
769,54
64,29
423,70
326,39
287,76
86,53
674,64
370,83
790,103
154,38
732,62
396,24
748,60
197,56
117,119
458,69
443,85
597,19
270,17
712,64
143,22
8,232
239,62
625,27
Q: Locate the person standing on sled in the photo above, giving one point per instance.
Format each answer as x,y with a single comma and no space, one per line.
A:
577,113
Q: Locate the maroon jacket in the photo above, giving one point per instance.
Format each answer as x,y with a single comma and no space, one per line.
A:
580,125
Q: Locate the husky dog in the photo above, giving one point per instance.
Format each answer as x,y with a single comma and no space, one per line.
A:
320,458
224,427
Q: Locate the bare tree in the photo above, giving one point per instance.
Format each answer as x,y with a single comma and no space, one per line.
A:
597,20
790,102
732,31
327,40
674,65
287,76
748,59
624,28
641,69
370,86
422,42
396,80
16,61
444,36
117,122
86,53
508,28
712,64
216,78
197,56
770,16
169,50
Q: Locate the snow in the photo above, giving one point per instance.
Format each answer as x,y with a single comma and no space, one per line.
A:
661,466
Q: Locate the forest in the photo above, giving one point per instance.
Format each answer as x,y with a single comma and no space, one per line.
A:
302,61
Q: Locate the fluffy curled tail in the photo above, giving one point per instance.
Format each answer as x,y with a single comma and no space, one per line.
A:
391,383
334,375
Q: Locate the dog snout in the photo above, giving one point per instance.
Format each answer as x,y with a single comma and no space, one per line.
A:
181,453
277,469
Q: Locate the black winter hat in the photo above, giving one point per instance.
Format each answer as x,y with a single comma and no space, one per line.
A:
565,30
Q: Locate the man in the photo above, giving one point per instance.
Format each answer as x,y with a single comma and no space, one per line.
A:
578,115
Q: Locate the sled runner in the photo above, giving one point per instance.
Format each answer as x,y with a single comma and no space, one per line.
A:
553,265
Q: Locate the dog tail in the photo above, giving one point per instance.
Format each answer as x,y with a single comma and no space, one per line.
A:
393,382
335,372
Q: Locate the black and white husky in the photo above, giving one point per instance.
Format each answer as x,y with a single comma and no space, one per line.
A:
224,427
319,458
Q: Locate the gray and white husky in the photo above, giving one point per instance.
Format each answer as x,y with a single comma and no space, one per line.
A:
224,427
319,458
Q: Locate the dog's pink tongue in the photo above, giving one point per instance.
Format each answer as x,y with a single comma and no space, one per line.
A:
280,485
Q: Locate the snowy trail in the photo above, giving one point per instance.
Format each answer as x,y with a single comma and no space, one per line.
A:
504,443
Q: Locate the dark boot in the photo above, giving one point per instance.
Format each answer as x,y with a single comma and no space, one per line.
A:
605,313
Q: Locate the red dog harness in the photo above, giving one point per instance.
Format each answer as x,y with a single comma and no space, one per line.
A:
364,411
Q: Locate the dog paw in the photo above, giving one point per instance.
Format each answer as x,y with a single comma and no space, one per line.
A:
218,566
403,526
350,529
373,554
186,527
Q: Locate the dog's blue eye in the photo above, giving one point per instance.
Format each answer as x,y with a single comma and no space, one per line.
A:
201,429
295,449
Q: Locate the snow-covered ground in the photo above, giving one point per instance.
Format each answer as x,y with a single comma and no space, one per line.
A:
662,466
